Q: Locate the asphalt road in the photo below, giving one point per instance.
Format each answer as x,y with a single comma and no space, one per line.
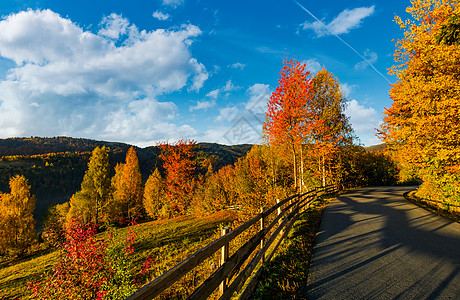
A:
374,244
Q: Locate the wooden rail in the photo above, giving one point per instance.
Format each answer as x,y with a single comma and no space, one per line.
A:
287,213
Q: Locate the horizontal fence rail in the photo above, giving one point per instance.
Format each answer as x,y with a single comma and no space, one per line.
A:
287,210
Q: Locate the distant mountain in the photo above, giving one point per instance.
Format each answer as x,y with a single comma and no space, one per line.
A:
376,148
55,166
220,155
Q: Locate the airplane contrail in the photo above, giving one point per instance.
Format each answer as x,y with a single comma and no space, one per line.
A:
348,45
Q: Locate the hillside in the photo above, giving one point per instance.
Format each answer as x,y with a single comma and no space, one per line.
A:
376,148
55,166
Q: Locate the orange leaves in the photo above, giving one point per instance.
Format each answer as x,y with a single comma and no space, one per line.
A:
307,113
287,116
180,172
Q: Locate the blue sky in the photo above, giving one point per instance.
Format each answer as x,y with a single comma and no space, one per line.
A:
147,71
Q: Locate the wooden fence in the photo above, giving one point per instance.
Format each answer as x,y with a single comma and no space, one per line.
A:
228,277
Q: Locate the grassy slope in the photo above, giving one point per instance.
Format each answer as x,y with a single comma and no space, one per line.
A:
168,242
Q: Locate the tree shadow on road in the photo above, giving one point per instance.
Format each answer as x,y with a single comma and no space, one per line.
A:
374,234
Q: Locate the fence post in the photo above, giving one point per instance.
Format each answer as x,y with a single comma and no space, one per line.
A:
223,259
262,228
279,211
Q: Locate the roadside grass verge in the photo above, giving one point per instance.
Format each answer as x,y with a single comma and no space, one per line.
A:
434,207
286,274
167,241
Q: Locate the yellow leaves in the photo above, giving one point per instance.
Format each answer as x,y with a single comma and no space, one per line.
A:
17,228
422,126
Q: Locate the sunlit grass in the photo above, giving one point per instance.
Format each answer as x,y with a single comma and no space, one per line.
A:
450,212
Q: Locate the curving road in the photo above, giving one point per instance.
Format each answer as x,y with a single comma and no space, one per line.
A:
374,244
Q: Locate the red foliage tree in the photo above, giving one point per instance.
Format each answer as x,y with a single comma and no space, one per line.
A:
180,173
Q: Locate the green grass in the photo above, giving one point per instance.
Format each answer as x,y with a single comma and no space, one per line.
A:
167,241
435,208
15,276
285,275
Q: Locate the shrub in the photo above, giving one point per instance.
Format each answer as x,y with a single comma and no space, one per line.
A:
91,268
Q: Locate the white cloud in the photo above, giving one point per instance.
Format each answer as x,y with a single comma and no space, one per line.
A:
226,89
114,26
364,121
68,81
243,121
215,135
238,65
227,113
213,94
313,65
259,96
371,58
347,89
229,86
203,105
343,23
173,3
160,16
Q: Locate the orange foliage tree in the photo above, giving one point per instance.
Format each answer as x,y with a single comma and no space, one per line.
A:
422,127
289,120
180,181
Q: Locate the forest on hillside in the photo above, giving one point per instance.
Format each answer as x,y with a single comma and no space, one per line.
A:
55,167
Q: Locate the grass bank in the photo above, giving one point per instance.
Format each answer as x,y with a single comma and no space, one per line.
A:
434,207
285,275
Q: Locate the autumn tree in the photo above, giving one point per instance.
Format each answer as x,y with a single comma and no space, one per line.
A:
126,201
87,204
289,119
54,224
422,127
17,230
328,104
180,178
154,194
253,180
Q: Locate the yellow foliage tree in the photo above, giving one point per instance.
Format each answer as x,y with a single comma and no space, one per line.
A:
154,194
422,127
87,204
126,201
328,103
17,225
